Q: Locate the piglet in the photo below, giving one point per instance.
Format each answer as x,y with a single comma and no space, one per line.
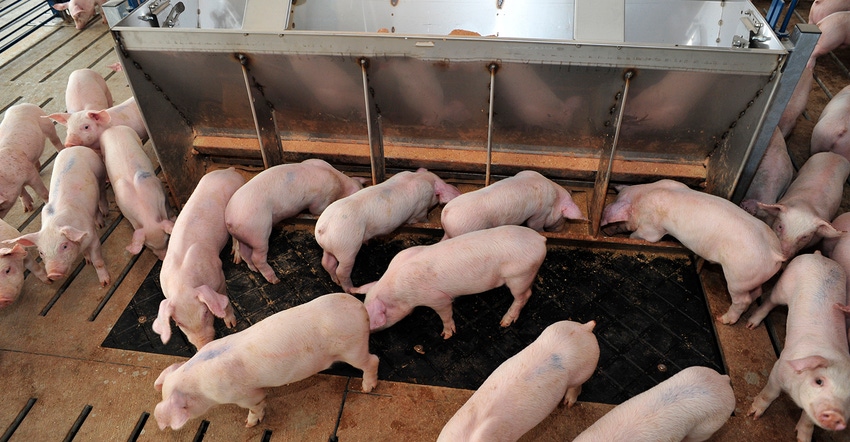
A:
191,277
475,262
835,33
690,406
278,193
138,191
714,228
832,131
22,135
70,220
377,210
822,8
283,348
527,387
802,215
528,198
13,260
81,11
87,90
771,179
838,249
85,127
814,366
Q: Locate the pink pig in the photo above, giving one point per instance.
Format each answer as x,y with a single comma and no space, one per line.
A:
12,263
710,226
85,127
22,135
475,262
772,178
192,278
835,33
70,220
838,248
86,90
822,8
832,131
283,348
802,215
278,193
138,191
80,10
527,387
814,366
690,406
377,210
528,198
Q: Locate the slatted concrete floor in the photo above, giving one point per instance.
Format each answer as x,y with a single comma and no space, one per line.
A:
61,384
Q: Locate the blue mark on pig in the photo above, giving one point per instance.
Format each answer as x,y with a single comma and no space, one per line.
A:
206,355
554,363
48,208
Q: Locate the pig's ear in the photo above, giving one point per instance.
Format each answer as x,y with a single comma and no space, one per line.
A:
616,212
61,118
99,116
826,230
172,412
570,210
808,363
27,240
361,180
772,209
73,233
61,6
168,370
377,314
445,192
216,302
363,289
162,323
17,251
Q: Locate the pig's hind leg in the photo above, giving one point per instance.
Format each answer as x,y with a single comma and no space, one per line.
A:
26,200
260,260
521,290
363,360
741,300
444,310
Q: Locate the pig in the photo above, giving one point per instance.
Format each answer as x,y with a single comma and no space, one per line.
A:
714,228
527,387
138,191
838,249
87,90
822,8
85,127
835,33
278,193
528,198
22,136
434,275
283,348
377,210
191,277
814,366
830,134
689,406
81,11
12,263
771,179
801,216
70,220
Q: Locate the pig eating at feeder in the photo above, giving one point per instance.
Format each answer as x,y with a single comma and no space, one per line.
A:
278,193
376,210
528,198
712,227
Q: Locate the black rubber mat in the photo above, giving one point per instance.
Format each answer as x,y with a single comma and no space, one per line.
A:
651,315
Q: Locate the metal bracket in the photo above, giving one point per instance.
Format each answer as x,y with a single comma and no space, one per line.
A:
264,118
373,126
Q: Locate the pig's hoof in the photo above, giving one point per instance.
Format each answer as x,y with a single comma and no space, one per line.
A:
447,334
727,319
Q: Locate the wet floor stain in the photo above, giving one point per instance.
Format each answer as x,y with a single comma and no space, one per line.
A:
651,315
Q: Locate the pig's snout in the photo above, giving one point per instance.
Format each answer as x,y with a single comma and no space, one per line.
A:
6,302
832,420
54,275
